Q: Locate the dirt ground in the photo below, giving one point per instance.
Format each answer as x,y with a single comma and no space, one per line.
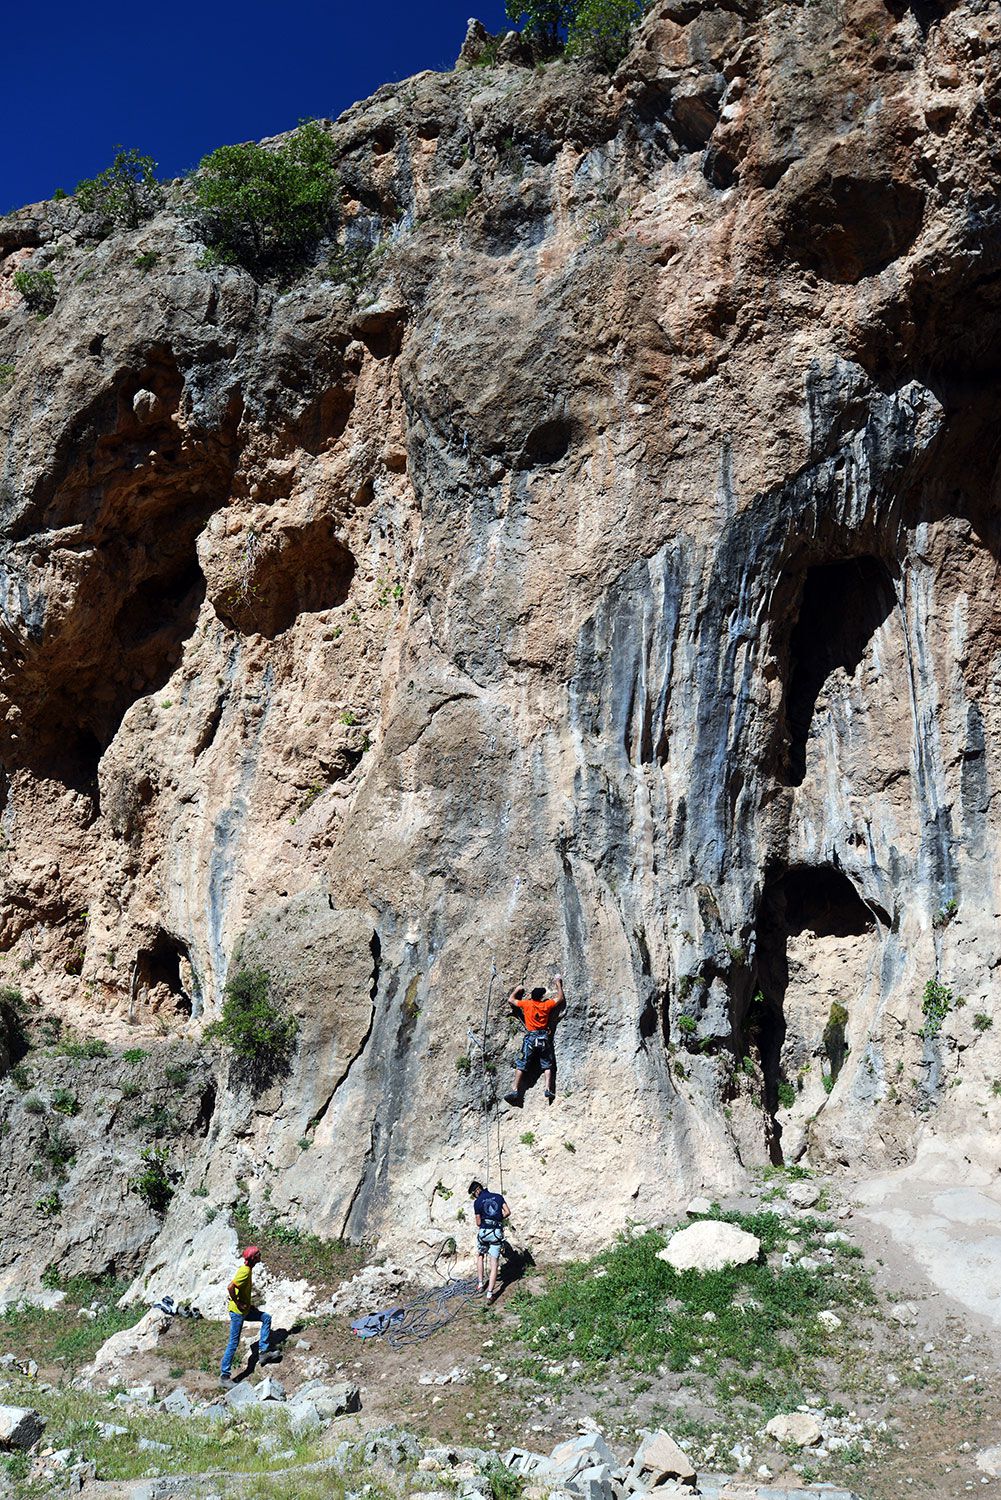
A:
924,1397
936,1384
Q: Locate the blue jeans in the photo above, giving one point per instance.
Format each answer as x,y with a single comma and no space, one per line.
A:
236,1322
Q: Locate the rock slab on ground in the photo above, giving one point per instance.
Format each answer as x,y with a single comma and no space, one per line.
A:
20,1427
710,1245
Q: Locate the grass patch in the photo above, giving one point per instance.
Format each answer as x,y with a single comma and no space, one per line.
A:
195,1445
56,1335
294,1251
752,1328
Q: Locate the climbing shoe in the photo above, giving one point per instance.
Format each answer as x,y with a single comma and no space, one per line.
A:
550,1095
514,1099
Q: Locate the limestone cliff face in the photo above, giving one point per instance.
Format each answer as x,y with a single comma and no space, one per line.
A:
607,582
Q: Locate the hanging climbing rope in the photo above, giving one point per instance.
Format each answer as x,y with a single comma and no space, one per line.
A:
484,1082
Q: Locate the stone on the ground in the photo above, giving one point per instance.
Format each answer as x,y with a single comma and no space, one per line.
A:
904,1313
178,1403
140,1339
989,1461
803,1194
270,1389
241,1395
796,1428
828,1320
658,1457
579,1453
699,1206
328,1400
20,1427
304,1417
594,1483
710,1245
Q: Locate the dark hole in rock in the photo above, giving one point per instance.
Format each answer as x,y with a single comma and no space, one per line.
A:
847,228
164,604
206,1108
546,444
817,900
301,571
324,419
164,976
842,606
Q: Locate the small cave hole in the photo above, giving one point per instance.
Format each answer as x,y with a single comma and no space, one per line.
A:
546,444
164,978
842,605
815,903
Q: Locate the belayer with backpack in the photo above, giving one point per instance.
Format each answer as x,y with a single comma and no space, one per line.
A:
490,1210
540,1013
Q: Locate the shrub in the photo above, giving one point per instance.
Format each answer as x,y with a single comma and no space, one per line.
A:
134,1055
154,1184
936,1004
463,1065
7,373
33,1105
48,1206
600,29
982,1022
835,1045
146,261
177,1075
786,1095
57,1150
65,1102
20,1077
38,288
80,1051
125,193
252,1026
545,22
687,1025
504,1483
267,207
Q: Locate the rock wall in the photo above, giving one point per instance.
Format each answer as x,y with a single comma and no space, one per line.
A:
602,579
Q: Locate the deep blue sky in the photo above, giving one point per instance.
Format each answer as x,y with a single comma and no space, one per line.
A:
176,82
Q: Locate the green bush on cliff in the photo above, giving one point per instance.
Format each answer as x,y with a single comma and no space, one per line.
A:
267,207
600,29
254,1028
38,288
124,194
596,30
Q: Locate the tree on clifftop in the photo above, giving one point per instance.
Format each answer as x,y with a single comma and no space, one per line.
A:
594,30
267,207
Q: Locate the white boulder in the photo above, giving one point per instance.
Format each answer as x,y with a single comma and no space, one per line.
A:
710,1245
797,1429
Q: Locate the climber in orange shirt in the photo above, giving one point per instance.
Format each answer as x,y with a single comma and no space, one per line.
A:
540,1013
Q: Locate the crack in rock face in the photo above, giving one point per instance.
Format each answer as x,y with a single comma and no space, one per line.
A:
588,563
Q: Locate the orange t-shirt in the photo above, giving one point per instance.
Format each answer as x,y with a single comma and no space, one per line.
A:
536,1014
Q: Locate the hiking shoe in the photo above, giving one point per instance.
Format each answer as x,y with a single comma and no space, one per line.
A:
550,1095
227,1382
480,1287
271,1358
514,1099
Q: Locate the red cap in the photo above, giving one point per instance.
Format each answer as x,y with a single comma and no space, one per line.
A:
250,1250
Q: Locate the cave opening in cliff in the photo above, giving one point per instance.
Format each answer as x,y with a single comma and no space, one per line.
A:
842,605
164,978
810,921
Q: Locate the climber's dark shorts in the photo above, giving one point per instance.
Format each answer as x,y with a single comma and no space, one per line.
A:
536,1049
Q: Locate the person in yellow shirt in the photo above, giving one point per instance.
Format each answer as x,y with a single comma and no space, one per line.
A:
241,1307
